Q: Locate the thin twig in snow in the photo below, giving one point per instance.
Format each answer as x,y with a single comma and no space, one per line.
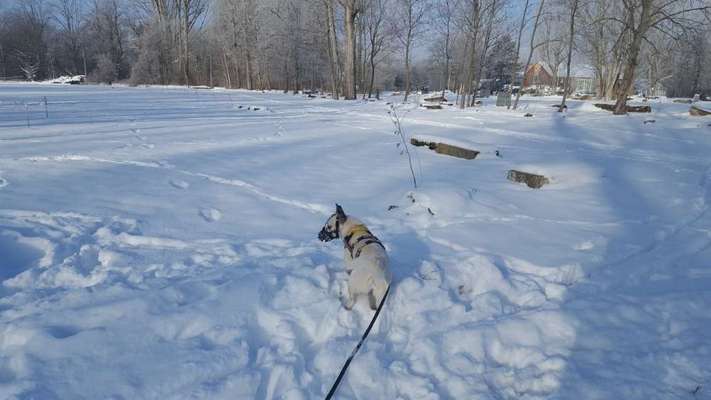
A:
399,131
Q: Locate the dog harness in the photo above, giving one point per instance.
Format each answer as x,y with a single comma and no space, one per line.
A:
363,237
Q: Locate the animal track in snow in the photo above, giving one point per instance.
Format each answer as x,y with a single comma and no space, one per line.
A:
584,246
210,214
311,207
21,253
62,331
178,184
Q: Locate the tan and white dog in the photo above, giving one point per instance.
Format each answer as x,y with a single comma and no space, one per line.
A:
366,261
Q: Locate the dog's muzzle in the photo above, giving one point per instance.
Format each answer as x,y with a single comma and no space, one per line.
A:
326,236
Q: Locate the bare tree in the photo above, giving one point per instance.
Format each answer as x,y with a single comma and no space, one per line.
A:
374,20
409,21
332,44
161,8
602,44
109,37
69,16
163,13
444,23
31,50
571,38
188,13
553,41
521,26
690,69
105,71
472,26
351,8
657,61
494,8
291,44
29,65
639,17
532,47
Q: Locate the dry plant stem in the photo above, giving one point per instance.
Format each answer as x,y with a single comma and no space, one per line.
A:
401,134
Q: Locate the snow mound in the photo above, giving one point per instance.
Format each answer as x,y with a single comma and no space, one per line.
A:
68,80
160,243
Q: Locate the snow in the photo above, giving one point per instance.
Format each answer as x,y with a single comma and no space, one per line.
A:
160,243
68,80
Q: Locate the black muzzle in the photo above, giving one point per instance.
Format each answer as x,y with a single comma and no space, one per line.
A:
326,236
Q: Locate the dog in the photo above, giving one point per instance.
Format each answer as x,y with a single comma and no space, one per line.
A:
365,258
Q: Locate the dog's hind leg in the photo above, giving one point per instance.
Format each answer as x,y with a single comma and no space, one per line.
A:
372,300
348,300
376,294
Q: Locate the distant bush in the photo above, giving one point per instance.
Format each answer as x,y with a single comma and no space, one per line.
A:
106,71
146,69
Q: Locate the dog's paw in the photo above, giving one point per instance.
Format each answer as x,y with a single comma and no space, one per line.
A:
430,271
347,303
372,301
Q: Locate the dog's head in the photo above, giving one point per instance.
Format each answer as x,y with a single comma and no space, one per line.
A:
332,229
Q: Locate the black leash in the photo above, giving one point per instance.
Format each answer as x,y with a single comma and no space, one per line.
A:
355,350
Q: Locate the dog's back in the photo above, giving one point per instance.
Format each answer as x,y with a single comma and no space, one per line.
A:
374,260
369,266
366,260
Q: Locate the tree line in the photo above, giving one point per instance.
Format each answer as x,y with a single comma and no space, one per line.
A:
354,48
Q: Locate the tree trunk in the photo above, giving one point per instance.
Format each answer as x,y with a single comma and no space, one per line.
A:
248,68
446,76
487,40
332,47
445,81
407,66
372,76
633,55
185,50
226,69
627,80
468,76
349,91
473,37
530,51
362,61
164,34
566,85
697,74
518,50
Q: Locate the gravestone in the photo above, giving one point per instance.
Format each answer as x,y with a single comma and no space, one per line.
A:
503,99
531,180
447,149
629,109
435,99
698,111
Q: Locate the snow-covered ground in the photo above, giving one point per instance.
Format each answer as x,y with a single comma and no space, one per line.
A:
160,243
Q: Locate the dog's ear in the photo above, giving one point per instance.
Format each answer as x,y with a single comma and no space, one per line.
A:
340,214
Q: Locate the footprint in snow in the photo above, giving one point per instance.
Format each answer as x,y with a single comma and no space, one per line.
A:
178,184
210,214
62,331
584,246
3,183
